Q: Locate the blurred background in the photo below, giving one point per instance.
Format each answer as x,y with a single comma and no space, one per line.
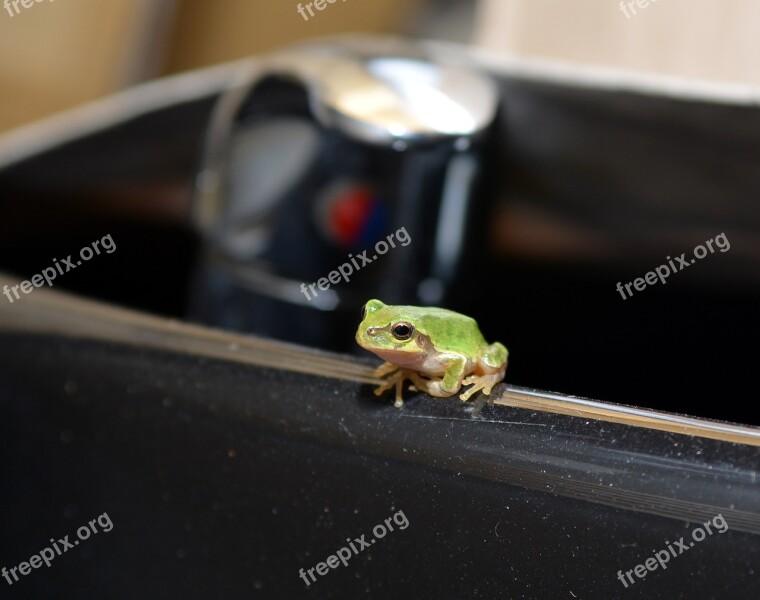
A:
624,132
58,54
528,160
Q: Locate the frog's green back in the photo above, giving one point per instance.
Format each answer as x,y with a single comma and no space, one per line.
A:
447,329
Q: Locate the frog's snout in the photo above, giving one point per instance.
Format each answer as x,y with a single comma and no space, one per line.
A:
363,335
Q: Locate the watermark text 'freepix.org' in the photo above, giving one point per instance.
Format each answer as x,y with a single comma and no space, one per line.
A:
346,553
12,6
666,270
662,557
56,549
320,5
59,268
346,269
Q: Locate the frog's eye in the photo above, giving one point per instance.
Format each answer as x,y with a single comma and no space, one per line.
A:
402,331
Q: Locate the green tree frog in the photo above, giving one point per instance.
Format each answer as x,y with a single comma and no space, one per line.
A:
438,350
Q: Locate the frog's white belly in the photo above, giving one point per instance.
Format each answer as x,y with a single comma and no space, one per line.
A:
430,363
435,364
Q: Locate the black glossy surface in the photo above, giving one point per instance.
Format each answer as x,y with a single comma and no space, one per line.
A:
224,480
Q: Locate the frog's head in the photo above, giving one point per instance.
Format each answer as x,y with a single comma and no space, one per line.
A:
390,333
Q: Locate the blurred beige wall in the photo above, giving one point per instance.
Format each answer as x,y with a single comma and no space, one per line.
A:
59,54
700,39
211,32
56,55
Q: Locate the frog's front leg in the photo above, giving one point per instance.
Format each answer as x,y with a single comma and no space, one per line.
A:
396,379
490,370
385,369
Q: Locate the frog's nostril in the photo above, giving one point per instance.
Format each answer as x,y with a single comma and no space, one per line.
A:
371,331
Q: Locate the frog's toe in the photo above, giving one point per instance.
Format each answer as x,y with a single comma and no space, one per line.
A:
395,380
385,386
466,396
482,383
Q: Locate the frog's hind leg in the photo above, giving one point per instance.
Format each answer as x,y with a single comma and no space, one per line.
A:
436,387
442,387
